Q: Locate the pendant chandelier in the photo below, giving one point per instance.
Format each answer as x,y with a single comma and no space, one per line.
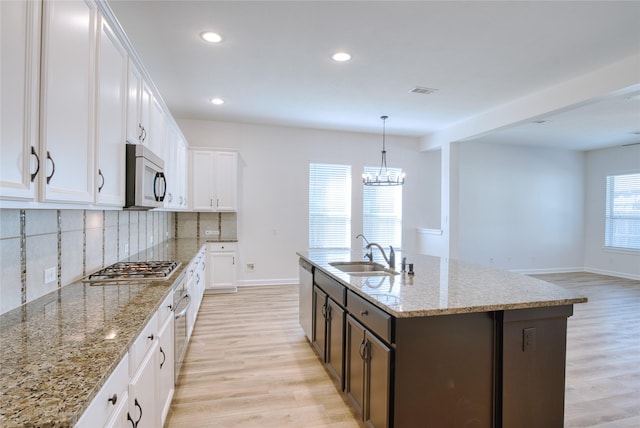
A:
383,178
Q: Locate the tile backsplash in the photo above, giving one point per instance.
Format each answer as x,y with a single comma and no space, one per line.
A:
206,225
73,242
79,242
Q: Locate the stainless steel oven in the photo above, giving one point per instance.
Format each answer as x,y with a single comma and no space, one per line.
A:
181,304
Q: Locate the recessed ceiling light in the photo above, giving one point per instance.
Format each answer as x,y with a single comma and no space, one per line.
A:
217,101
341,56
211,37
423,90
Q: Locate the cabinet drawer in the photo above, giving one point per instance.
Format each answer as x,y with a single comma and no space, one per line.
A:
109,398
373,318
142,344
166,309
330,286
221,246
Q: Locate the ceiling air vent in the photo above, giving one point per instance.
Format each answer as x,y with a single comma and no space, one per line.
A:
423,90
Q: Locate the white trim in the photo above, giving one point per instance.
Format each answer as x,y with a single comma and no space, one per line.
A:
545,271
423,231
263,282
620,250
613,273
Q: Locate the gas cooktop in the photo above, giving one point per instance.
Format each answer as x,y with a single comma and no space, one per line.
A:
134,271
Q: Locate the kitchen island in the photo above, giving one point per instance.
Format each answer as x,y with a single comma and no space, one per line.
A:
455,344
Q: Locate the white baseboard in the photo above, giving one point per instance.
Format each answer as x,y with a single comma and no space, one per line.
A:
263,282
545,271
613,273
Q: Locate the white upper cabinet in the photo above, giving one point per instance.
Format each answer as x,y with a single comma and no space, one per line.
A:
226,181
145,114
214,176
202,162
67,97
19,73
111,104
73,93
155,140
175,168
135,132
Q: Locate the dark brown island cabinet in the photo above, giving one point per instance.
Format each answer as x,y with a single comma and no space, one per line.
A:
495,368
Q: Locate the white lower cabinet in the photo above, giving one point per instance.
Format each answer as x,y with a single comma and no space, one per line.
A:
195,285
221,267
139,391
166,368
143,390
110,406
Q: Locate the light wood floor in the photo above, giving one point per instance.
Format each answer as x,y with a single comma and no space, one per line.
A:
603,352
249,364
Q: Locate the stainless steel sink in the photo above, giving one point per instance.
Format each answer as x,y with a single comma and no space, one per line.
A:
363,268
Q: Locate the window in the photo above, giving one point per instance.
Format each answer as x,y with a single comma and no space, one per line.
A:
382,211
622,217
329,206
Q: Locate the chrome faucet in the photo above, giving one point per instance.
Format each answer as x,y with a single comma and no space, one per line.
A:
391,261
369,255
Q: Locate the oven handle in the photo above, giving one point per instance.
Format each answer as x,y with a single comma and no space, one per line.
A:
183,312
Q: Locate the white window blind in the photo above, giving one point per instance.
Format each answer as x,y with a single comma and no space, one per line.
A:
329,206
382,211
622,216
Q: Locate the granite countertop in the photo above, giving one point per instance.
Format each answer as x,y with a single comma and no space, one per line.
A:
444,286
57,351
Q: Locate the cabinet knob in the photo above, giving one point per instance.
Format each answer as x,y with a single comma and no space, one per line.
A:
150,337
364,313
113,399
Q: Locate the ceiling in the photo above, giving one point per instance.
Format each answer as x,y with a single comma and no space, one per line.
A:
274,64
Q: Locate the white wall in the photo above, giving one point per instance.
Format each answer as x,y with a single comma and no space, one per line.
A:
520,208
601,163
273,187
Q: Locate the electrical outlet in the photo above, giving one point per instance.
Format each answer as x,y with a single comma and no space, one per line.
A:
251,267
528,339
50,275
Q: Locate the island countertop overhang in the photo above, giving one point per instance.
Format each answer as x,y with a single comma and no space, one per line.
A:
442,286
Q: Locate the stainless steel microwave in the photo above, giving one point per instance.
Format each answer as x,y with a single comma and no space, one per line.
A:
146,184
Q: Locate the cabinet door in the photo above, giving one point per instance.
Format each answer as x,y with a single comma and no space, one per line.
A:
226,181
377,382
170,167
181,172
19,64
144,113
156,127
110,118
202,180
67,136
319,336
355,364
222,265
143,392
134,85
335,341
165,368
